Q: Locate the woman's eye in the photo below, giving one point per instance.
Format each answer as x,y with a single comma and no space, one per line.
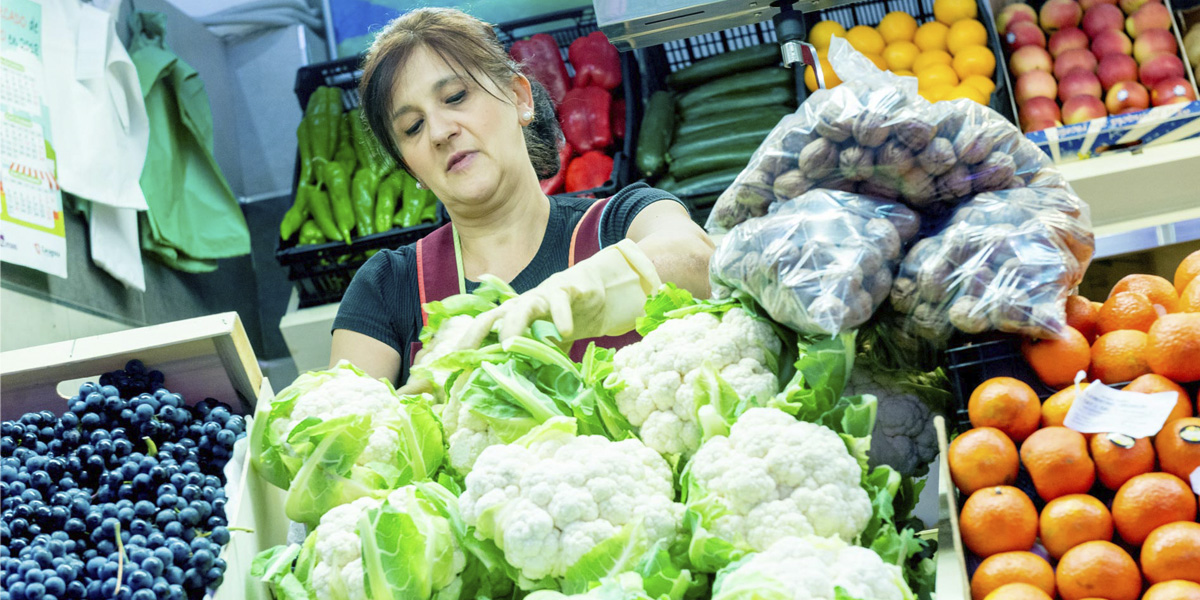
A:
456,98
413,129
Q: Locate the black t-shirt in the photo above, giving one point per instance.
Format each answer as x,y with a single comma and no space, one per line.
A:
382,300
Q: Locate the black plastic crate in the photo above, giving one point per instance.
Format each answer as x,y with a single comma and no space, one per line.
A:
972,362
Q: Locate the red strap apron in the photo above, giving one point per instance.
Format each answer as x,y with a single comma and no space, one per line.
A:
438,276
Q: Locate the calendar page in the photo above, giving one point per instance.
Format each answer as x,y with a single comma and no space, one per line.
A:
32,231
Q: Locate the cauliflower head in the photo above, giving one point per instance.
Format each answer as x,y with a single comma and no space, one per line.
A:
811,568
903,436
551,497
658,373
344,392
773,477
339,553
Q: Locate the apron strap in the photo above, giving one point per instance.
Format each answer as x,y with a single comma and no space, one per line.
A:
585,242
437,269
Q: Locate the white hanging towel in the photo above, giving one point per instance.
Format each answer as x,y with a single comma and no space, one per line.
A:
100,129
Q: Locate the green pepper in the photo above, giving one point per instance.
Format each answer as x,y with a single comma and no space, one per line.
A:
345,147
304,144
385,205
391,192
322,212
363,195
414,203
324,112
296,215
367,147
429,213
333,177
310,234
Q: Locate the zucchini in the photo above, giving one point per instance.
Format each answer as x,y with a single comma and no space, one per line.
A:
733,84
655,133
717,122
702,144
741,102
695,164
713,182
726,63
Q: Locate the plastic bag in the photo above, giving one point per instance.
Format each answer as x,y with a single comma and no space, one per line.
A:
874,135
1006,261
818,264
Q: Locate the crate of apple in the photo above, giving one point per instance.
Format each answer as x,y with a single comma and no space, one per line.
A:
1074,61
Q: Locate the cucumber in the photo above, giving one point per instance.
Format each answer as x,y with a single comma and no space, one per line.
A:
703,144
717,122
733,84
695,164
741,102
713,182
655,133
726,63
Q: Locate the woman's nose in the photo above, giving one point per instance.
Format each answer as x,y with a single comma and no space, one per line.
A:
442,127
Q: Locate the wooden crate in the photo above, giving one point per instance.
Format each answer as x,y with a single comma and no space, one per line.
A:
952,581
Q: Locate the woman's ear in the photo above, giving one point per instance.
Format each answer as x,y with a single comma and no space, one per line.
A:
523,91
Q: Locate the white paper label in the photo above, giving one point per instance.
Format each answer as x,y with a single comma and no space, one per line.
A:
1101,409
1196,481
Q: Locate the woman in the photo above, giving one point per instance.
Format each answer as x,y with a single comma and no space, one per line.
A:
453,109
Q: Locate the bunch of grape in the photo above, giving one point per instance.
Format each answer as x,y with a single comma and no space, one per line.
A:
121,497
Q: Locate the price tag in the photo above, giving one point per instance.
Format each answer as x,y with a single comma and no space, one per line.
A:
1101,409
1196,481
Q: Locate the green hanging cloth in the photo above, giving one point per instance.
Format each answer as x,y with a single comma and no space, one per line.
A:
193,217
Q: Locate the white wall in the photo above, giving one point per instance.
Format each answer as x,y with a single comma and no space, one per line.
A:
31,321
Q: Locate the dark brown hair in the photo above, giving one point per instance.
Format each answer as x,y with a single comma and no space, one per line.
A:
467,45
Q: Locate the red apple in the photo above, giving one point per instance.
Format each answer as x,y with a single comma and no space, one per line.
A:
1088,4
1030,58
1131,6
1040,124
1163,66
1111,42
1034,84
1015,13
1172,90
1057,14
1148,18
1024,33
1126,96
1039,108
1074,60
1082,108
1070,38
1101,18
1153,43
1078,83
1116,67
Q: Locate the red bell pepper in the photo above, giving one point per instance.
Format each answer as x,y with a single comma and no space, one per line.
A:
584,118
596,61
542,59
554,184
589,170
616,117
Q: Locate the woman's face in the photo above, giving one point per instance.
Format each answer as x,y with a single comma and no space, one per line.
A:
459,140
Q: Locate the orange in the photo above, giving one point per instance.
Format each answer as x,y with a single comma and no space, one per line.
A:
822,33
866,39
1188,269
931,36
998,519
1173,347
1177,589
1057,361
1172,552
878,60
831,78
982,457
950,12
1152,383
1071,520
905,73
1099,570
1120,458
897,26
1054,409
900,56
985,85
1018,591
1149,501
1157,289
1082,315
936,93
933,57
1119,356
964,34
1058,462
1007,404
1126,310
1189,299
968,92
935,75
974,60
1011,567
1178,447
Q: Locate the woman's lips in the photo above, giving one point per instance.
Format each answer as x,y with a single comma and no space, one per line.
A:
460,161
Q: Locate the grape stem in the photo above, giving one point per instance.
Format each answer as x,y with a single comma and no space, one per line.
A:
120,559
151,449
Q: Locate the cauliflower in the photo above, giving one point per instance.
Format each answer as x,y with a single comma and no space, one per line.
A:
903,437
345,393
551,497
339,553
658,375
773,477
626,586
811,568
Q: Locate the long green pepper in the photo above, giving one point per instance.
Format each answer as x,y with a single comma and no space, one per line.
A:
333,177
345,154
295,216
324,112
364,202
391,192
310,234
414,202
322,212
304,144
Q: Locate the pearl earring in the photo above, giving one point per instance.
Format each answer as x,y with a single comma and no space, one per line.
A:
527,115
420,186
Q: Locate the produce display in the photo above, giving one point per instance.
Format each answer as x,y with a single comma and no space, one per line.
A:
592,119
1074,61
1191,47
348,187
123,496
949,55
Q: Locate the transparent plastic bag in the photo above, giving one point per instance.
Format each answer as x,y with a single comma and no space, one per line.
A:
818,264
874,135
1005,261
